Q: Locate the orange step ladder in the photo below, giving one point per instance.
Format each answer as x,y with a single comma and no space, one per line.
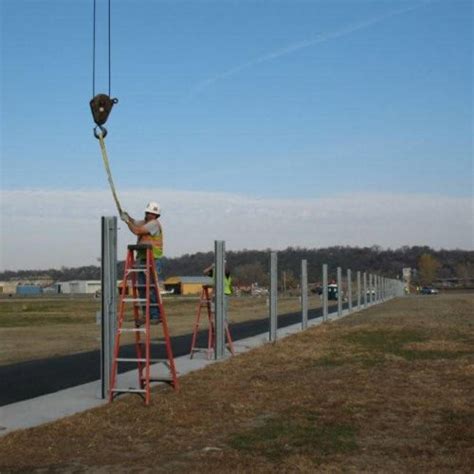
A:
205,301
134,303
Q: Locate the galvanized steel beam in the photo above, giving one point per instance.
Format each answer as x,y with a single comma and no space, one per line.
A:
339,291
109,299
273,296
325,292
304,294
219,255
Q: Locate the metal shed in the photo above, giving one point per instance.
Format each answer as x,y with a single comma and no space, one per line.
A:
187,285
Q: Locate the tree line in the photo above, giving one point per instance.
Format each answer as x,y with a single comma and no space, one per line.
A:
250,266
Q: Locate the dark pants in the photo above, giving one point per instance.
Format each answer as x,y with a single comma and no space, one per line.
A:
154,309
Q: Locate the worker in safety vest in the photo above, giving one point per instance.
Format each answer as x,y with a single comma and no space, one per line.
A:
148,231
209,271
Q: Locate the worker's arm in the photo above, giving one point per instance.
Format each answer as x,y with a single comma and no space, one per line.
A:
207,270
126,218
137,229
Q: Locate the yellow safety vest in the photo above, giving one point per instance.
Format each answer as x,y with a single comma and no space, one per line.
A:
227,285
156,241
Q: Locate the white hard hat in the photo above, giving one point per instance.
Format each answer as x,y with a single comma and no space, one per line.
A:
153,207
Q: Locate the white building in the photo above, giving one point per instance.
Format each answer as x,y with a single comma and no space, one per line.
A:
8,287
79,287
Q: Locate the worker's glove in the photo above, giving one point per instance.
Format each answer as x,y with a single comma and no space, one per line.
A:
125,217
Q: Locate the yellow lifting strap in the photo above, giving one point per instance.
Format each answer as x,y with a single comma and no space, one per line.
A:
109,173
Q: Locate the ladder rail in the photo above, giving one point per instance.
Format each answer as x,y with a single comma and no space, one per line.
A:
205,301
166,333
113,377
143,357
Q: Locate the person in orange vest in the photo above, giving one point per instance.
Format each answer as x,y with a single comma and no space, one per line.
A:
148,231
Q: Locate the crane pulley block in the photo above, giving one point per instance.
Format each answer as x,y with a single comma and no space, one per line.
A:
101,106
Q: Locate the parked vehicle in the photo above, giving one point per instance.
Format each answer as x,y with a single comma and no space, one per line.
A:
332,292
426,290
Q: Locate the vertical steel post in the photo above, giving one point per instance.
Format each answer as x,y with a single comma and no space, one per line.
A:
371,299
349,290
376,293
377,288
304,294
376,299
358,290
364,279
374,286
219,253
109,299
325,292
339,291
273,296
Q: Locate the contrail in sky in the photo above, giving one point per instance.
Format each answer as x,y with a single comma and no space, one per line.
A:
322,38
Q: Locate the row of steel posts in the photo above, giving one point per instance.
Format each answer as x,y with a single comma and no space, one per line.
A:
370,289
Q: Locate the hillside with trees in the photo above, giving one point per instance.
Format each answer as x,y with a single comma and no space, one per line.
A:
250,266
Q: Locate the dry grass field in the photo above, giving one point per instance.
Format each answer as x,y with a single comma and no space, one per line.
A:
385,390
57,326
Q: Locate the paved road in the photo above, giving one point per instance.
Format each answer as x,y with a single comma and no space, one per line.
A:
31,379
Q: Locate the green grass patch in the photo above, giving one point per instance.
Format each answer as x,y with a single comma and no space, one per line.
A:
279,438
384,341
36,313
412,355
329,361
35,320
379,344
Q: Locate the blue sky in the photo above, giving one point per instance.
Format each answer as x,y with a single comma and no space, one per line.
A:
282,99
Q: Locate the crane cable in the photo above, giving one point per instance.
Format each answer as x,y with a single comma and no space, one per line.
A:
94,23
101,105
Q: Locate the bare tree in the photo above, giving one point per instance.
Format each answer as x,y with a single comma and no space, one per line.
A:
428,268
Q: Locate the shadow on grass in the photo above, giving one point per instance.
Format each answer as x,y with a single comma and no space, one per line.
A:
305,435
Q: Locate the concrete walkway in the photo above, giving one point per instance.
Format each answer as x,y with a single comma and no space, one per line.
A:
51,407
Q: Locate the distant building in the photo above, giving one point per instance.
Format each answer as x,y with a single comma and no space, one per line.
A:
187,285
53,289
28,290
79,287
8,287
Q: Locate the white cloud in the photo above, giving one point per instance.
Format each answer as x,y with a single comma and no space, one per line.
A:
49,229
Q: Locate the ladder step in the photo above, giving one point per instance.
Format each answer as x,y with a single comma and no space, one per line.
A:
139,300
161,379
131,390
202,349
129,359
121,330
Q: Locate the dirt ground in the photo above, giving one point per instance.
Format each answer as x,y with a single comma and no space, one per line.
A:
58,326
385,390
